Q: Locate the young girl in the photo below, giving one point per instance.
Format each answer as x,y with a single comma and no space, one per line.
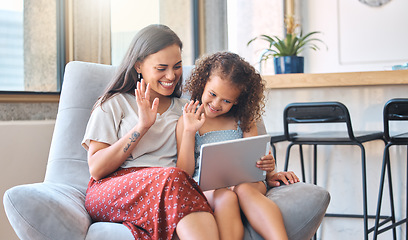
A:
229,100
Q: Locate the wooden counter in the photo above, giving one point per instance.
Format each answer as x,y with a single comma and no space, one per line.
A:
299,80
309,80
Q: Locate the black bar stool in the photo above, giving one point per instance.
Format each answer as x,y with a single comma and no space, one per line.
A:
275,138
395,111
324,113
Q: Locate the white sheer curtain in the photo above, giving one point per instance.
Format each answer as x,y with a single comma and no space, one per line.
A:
88,31
249,19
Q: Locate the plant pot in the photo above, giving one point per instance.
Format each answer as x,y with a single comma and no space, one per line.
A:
288,64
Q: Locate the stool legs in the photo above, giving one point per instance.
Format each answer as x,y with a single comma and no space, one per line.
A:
364,180
302,165
302,162
386,169
314,164
273,150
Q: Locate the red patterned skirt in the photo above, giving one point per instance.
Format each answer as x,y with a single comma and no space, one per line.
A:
149,201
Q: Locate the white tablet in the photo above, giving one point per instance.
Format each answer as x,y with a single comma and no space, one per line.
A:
229,163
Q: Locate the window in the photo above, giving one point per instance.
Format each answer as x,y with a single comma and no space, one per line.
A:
29,42
11,46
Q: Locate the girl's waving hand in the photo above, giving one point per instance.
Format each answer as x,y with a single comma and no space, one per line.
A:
193,116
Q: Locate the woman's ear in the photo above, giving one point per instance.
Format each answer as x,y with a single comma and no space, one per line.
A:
137,67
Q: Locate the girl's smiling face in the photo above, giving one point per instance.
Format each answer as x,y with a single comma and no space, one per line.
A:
162,70
219,96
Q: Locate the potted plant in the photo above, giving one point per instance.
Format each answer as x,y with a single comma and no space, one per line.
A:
285,51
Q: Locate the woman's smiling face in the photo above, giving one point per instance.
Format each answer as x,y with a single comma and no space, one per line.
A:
219,96
162,70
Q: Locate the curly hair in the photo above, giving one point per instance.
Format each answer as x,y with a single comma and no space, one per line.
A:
230,66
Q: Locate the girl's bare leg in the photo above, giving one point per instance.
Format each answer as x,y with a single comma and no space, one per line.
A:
262,213
197,226
227,213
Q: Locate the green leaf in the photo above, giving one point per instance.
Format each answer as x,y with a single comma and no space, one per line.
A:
291,45
250,41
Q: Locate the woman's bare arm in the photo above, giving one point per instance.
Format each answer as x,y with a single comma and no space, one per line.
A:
104,159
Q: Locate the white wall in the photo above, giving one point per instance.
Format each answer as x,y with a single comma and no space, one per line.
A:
24,147
359,38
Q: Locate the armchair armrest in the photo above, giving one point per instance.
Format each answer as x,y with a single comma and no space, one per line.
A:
47,211
303,207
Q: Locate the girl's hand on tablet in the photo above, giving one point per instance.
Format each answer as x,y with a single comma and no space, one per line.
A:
266,163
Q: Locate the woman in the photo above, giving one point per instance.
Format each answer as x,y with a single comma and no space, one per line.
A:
131,146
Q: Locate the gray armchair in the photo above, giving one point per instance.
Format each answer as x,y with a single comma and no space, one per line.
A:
55,208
